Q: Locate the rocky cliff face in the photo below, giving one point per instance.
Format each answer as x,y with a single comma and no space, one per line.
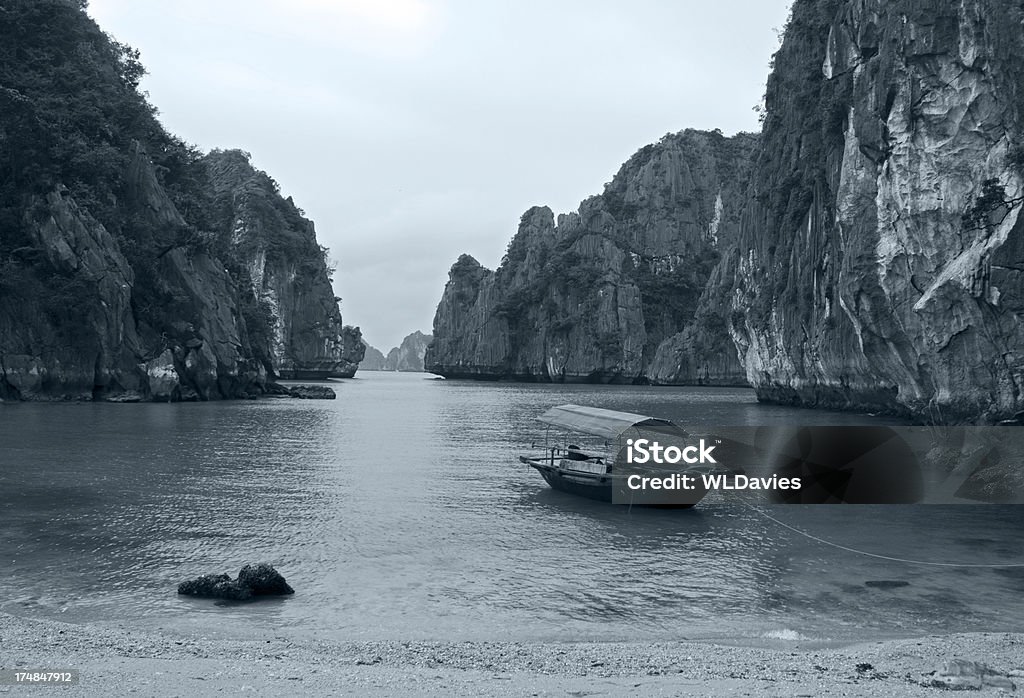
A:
131,267
40,347
409,355
373,359
287,272
73,328
704,352
875,262
879,265
592,297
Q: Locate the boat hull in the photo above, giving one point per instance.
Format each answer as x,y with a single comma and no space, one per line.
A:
596,486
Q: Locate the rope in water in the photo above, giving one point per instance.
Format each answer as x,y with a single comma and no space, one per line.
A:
875,555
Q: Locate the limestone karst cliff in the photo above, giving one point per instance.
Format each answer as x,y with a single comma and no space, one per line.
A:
408,356
132,267
286,270
373,359
591,297
879,264
873,259
703,353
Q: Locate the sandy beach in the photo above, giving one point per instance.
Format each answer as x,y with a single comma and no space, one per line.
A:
113,662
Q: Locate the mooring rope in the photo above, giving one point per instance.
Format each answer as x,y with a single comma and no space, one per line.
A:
848,549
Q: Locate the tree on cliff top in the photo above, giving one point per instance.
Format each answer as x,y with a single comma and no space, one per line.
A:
70,109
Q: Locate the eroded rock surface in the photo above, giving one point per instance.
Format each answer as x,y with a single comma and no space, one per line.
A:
592,296
215,586
132,267
262,579
879,262
288,273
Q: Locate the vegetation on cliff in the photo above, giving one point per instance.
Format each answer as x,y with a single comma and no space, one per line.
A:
878,263
123,273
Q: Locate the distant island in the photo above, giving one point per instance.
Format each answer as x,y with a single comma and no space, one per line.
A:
373,358
406,357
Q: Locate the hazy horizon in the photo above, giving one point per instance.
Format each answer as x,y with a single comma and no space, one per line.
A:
413,131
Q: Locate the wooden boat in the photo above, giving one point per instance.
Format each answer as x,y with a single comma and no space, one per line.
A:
593,472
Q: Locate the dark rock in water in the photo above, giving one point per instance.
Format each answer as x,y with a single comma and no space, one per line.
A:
215,586
262,580
277,390
129,396
886,584
312,392
253,580
302,392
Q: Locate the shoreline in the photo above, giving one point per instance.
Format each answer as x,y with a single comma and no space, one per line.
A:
114,659
309,389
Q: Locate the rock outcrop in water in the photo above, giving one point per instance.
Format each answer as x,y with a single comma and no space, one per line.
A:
592,297
253,580
215,586
409,355
132,267
264,580
302,392
880,260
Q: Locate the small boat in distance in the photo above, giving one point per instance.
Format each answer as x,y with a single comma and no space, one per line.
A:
592,470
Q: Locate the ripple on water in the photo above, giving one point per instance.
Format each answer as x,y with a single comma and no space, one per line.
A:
400,511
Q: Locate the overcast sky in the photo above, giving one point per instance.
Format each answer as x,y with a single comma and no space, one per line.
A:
412,131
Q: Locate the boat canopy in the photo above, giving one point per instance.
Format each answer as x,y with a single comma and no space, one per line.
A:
608,424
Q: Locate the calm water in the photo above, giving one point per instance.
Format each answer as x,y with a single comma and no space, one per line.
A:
399,511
